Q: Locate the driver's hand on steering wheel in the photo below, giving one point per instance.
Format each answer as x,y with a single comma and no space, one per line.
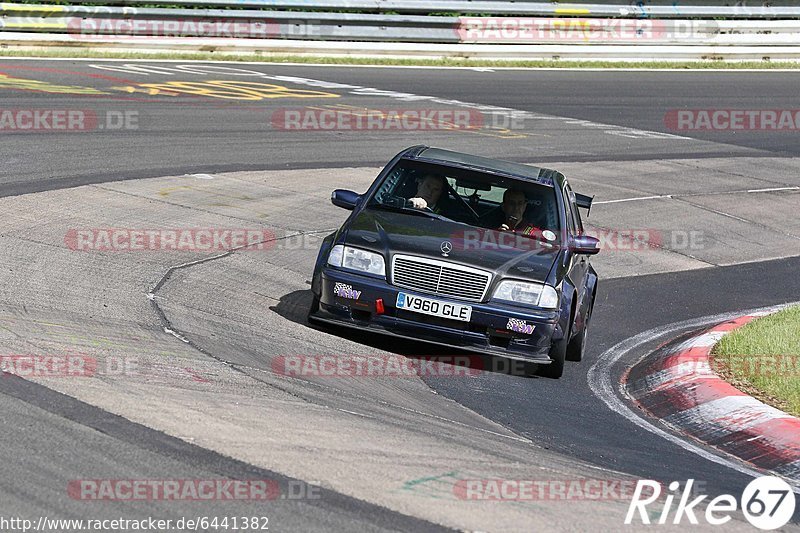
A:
418,203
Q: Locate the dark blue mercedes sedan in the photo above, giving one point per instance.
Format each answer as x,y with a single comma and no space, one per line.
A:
466,252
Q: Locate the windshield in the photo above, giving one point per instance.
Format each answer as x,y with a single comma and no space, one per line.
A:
469,197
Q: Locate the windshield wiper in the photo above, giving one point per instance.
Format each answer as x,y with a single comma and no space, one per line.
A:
410,211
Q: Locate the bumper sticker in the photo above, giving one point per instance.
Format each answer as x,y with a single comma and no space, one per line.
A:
346,291
520,326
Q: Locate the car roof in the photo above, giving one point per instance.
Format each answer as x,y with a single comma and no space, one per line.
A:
485,164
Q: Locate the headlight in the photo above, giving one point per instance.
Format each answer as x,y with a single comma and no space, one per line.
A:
521,292
335,257
357,260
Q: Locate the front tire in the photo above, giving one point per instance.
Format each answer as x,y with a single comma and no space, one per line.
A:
577,345
558,354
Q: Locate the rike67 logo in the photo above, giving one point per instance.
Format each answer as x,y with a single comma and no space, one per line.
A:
767,502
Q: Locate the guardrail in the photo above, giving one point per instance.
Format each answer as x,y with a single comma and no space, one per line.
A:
460,36
496,7
86,23
93,22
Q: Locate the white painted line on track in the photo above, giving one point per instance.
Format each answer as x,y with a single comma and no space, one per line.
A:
700,69
144,68
177,335
354,413
610,391
678,195
634,199
774,189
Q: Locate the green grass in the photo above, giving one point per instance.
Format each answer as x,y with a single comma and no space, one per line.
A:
746,358
345,60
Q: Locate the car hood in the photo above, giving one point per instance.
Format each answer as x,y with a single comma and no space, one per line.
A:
504,253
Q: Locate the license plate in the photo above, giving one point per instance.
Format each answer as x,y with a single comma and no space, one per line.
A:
429,306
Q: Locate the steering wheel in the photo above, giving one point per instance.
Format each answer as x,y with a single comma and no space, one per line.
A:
394,200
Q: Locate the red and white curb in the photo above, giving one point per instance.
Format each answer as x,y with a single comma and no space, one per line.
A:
682,390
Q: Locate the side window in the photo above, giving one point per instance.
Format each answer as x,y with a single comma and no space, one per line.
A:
391,186
452,183
570,217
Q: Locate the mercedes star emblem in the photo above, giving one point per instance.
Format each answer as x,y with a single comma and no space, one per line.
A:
446,248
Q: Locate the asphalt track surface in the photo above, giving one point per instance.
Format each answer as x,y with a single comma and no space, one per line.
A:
184,134
232,135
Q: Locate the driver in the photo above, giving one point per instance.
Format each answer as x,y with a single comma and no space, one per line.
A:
429,191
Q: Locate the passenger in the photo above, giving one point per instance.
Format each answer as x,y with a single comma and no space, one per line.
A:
511,213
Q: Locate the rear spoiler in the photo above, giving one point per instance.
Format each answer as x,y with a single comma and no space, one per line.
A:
581,200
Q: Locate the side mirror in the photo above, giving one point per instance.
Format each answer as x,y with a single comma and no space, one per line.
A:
584,244
346,199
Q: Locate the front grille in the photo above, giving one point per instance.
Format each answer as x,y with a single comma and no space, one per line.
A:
439,277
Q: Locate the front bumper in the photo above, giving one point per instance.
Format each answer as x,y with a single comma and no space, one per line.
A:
486,332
